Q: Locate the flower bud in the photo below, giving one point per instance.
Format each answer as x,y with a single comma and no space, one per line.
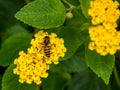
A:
69,15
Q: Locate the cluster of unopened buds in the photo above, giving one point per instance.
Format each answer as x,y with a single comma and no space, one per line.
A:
33,65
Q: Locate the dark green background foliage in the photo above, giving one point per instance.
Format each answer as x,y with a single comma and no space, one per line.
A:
80,69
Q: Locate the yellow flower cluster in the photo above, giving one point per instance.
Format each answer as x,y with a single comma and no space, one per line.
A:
33,65
103,34
104,11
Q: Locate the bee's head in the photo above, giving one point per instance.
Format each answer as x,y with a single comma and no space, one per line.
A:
46,37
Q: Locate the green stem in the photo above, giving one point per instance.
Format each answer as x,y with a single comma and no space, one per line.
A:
38,88
116,76
27,1
69,4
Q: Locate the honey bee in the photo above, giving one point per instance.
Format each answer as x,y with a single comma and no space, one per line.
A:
46,46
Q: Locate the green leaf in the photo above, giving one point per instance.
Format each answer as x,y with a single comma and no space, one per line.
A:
15,29
77,20
101,65
85,26
118,1
55,81
113,83
74,2
73,38
7,10
10,81
11,47
87,80
0,81
85,5
75,64
43,14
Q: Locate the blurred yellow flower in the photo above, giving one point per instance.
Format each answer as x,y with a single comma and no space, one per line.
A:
103,34
104,41
104,11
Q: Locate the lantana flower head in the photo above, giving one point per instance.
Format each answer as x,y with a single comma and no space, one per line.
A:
103,34
33,65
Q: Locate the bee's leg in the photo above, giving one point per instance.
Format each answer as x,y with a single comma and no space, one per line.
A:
43,59
41,47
